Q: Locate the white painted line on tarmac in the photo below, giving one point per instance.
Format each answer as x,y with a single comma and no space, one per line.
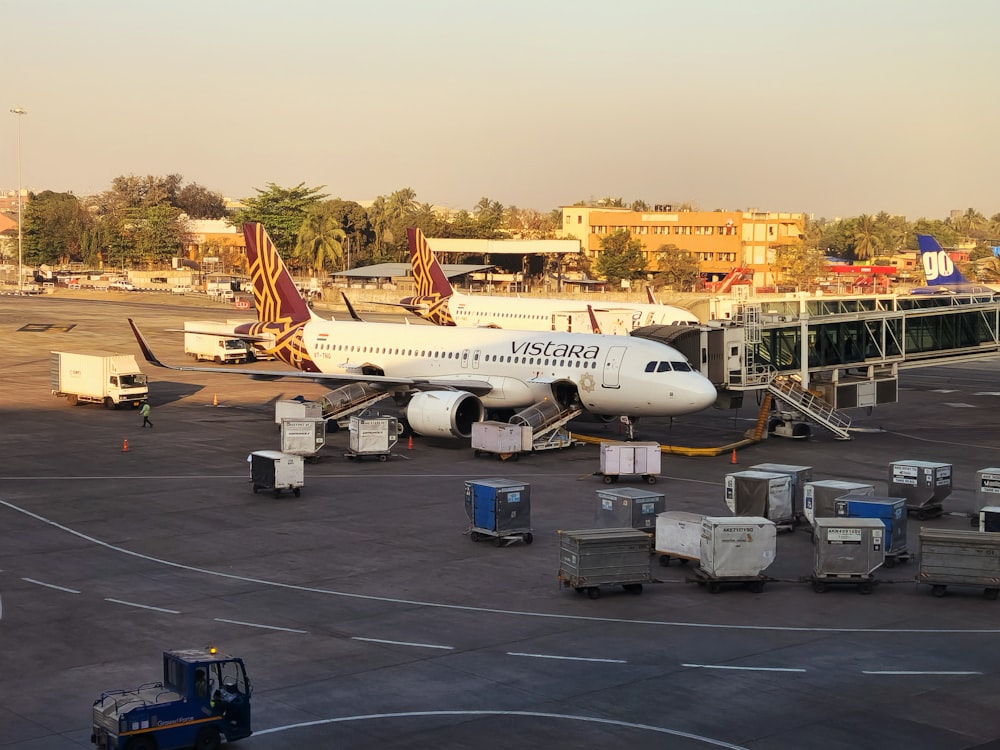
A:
493,610
908,673
567,658
743,669
258,625
142,606
402,643
529,714
51,586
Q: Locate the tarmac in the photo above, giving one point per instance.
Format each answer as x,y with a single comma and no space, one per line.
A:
368,618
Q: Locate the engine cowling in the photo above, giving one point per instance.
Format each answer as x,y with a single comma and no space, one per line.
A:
444,413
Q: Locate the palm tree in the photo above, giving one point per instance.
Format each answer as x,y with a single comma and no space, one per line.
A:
320,242
865,238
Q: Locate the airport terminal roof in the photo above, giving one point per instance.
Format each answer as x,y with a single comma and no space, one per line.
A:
502,247
395,270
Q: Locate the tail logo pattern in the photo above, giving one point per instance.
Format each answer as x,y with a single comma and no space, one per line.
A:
433,288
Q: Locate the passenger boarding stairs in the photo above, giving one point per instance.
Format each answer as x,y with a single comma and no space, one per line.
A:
546,420
788,390
354,398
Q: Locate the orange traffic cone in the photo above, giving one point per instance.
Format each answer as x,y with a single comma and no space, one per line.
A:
125,445
215,400
733,458
409,443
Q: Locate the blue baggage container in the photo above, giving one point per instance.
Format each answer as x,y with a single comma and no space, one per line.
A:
499,508
890,510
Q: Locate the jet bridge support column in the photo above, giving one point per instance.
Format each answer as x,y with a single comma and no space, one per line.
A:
804,349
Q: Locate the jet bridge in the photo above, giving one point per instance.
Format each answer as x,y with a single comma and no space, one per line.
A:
819,356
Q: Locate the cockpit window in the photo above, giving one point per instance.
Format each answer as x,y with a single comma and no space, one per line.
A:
663,367
651,367
681,366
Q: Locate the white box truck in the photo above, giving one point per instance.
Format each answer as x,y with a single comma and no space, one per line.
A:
109,379
213,341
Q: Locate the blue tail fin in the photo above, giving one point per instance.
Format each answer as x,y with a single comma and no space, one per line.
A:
939,269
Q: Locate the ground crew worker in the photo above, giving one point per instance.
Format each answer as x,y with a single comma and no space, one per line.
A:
144,411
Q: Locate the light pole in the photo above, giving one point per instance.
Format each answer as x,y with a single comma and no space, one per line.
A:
20,255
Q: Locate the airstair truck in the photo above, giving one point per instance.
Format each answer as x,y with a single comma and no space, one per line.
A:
109,379
204,697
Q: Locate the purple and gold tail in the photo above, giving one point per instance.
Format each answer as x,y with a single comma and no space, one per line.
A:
433,288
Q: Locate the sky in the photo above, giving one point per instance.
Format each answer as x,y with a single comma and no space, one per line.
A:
833,108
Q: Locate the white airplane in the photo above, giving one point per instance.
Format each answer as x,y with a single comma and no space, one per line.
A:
446,379
437,301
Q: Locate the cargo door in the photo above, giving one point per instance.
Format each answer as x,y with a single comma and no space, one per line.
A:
612,367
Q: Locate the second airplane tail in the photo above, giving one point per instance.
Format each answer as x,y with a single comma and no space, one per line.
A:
274,293
939,268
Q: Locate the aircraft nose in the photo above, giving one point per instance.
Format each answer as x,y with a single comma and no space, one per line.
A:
701,392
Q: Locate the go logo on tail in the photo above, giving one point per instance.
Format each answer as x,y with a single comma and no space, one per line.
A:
937,265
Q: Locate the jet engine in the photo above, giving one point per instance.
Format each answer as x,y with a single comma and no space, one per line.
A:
444,413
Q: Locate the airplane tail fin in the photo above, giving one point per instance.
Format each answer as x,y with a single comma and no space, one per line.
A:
939,269
430,279
274,294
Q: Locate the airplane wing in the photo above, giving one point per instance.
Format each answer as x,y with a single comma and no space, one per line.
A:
226,335
382,382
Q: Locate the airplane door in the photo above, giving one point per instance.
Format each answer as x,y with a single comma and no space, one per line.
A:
465,359
475,359
562,322
612,365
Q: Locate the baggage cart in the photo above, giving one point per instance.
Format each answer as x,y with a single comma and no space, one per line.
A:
924,484
819,498
678,536
735,551
591,558
989,519
297,408
765,494
987,493
799,475
628,506
276,471
501,439
847,551
890,510
373,437
950,557
498,509
630,459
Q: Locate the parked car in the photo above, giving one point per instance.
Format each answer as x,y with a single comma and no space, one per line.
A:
121,286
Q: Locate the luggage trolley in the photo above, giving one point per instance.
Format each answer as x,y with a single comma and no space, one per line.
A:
499,509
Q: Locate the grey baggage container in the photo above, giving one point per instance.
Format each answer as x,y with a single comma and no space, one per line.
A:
628,506
819,498
678,536
373,436
799,474
635,459
740,547
766,494
989,518
303,437
276,471
890,510
950,557
591,558
924,484
987,492
847,550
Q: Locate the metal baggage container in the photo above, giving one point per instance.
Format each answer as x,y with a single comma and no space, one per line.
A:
372,436
799,474
960,558
924,484
678,535
766,494
498,508
503,439
989,519
590,558
628,506
890,510
741,547
818,497
277,471
294,408
638,459
847,550
303,437
987,492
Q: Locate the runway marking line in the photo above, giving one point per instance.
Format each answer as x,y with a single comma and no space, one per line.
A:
908,673
51,586
567,658
528,714
258,625
492,610
744,669
142,606
402,643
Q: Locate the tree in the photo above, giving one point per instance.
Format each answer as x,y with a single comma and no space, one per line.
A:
676,268
53,228
866,239
621,257
159,234
353,219
798,264
200,203
319,245
489,218
282,212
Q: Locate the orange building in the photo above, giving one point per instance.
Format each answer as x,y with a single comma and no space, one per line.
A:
719,240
